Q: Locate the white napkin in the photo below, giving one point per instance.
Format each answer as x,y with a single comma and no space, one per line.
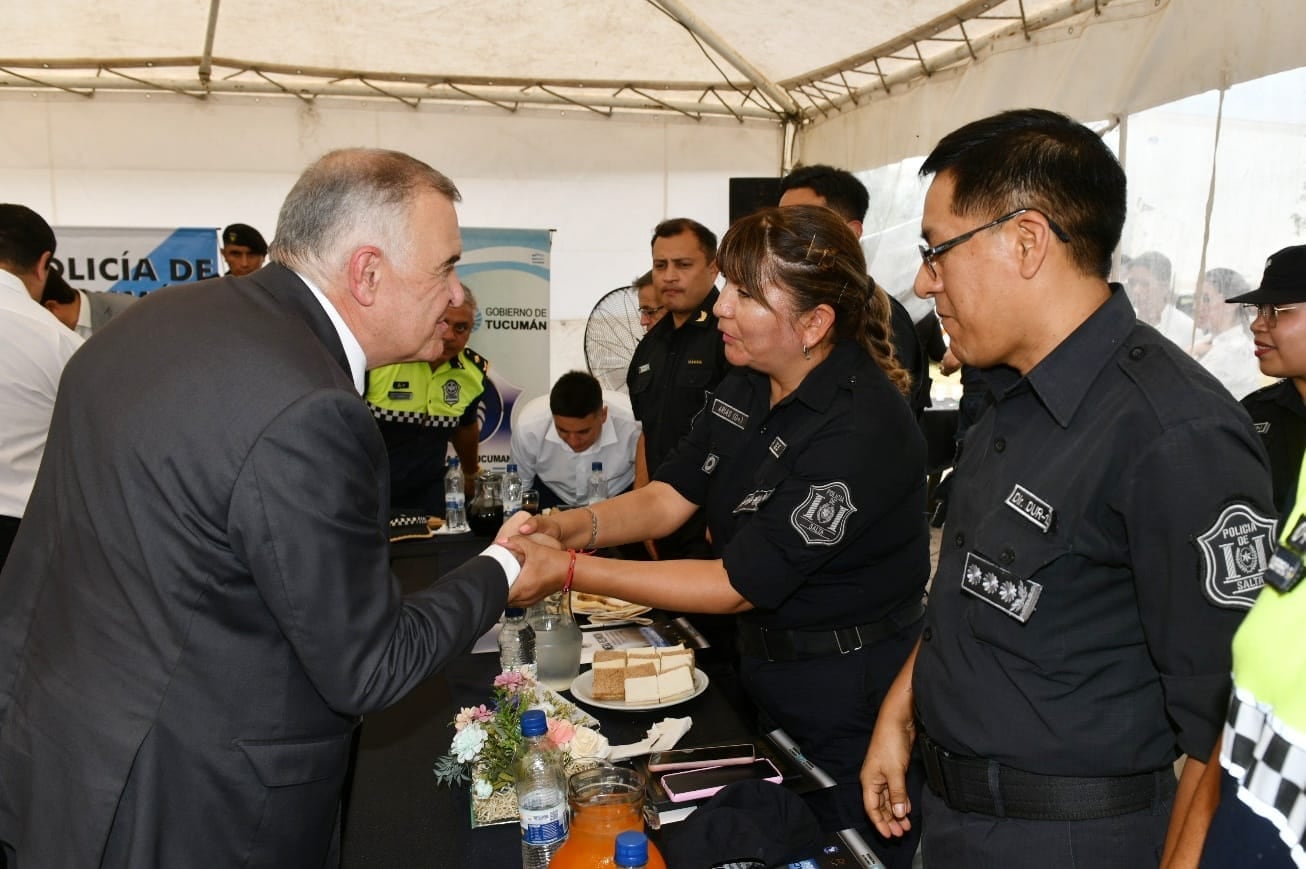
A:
661,736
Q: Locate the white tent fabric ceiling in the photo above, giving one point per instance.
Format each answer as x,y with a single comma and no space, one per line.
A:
747,59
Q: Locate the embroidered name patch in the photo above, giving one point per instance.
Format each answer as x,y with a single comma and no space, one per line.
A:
644,369
823,516
753,500
1031,507
451,392
777,447
730,414
710,463
1235,552
1000,588
399,395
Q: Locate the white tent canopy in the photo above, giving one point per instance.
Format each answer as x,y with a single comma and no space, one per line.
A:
596,118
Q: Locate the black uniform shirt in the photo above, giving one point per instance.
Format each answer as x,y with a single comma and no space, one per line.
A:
1280,418
671,372
833,533
1118,499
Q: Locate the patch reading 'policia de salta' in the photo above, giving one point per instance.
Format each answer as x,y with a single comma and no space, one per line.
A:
1235,551
823,515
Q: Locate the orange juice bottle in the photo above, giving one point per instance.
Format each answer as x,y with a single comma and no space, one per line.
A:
605,801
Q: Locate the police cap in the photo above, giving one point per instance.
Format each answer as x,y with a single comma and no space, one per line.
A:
246,236
1284,280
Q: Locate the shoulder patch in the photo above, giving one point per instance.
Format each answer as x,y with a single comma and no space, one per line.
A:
1235,551
822,517
476,359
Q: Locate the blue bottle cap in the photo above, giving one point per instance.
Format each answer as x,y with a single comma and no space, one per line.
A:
512,467
632,849
596,466
453,461
533,723
513,612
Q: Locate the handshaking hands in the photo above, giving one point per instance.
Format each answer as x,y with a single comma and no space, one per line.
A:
534,541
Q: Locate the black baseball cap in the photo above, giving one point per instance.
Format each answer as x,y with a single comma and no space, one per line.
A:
1284,280
246,236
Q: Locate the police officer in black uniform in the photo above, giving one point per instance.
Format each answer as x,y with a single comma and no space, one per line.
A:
678,361
1108,528
811,468
1278,307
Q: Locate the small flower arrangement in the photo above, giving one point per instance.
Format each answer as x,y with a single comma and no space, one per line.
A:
487,739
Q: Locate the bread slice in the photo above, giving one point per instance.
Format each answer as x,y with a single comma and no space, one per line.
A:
675,683
609,683
641,684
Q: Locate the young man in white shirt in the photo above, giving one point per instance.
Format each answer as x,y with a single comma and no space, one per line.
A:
556,439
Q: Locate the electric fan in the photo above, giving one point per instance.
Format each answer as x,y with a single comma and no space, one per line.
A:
611,334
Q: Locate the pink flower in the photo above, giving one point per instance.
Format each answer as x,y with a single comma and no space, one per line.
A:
561,732
468,714
512,681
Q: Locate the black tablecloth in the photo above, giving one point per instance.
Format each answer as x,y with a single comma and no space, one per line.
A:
397,816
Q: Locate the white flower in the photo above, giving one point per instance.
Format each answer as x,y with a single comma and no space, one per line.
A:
481,789
467,743
589,743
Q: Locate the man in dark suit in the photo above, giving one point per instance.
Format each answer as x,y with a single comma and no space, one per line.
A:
79,310
199,607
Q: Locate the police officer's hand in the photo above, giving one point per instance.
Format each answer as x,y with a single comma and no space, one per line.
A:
884,776
544,567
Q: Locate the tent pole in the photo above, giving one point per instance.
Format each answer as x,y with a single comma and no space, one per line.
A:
206,62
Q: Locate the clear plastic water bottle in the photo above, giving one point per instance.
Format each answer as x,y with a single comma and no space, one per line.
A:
516,642
631,850
455,498
541,793
511,491
596,489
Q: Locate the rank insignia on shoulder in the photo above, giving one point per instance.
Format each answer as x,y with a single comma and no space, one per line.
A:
1235,553
753,500
1032,507
710,463
729,413
777,447
822,517
1000,588
451,392
1285,569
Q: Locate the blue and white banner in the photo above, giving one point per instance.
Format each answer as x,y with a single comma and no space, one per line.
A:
508,271
133,260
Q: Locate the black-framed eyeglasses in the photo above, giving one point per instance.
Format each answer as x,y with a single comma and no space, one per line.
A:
930,254
651,312
1270,313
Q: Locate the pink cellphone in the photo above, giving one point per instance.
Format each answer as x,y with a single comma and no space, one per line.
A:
695,784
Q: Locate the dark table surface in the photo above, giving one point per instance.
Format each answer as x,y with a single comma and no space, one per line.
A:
396,814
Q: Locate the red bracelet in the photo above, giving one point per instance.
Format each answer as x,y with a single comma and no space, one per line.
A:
571,571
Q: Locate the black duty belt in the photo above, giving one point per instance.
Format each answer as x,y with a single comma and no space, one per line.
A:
792,645
973,784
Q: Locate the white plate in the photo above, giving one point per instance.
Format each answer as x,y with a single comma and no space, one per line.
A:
583,685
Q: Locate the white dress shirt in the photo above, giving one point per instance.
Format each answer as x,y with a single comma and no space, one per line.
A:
34,347
1232,358
540,453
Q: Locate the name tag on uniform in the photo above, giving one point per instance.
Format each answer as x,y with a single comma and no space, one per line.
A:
753,500
1031,507
644,369
400,395
729,413
1285,569
1000,588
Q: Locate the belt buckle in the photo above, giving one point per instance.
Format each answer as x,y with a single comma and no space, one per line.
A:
838,639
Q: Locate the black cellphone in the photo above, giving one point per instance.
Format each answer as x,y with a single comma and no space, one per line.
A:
693,758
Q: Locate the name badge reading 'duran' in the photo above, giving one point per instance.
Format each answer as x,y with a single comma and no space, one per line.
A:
729,413
1031,507
1000,588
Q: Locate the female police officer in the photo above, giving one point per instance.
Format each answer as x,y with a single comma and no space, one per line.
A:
812,471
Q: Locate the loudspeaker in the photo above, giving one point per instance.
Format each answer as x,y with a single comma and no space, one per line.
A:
749,194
